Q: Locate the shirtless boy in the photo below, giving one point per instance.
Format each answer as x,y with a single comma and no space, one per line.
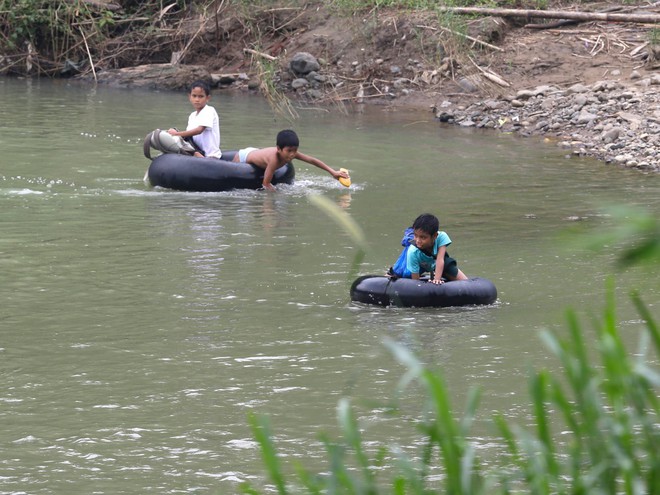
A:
270,159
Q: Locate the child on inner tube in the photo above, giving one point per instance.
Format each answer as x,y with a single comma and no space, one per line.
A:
428,253
203,123
286,149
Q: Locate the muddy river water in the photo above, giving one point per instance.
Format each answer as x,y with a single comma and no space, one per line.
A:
139,327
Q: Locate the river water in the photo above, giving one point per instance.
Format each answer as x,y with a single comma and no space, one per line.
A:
141,326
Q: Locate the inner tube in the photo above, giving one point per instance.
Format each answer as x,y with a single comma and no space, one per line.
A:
188,173
406,292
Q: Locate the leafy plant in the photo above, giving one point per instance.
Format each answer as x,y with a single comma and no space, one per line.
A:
45,35
609,429
596,427
267,71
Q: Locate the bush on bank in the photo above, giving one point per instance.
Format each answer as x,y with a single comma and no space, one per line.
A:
61,38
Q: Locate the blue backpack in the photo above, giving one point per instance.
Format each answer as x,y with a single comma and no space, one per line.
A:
400,267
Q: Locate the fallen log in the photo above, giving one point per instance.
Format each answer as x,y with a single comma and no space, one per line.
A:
556,14
99,4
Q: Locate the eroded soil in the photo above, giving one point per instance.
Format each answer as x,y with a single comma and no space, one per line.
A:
404,58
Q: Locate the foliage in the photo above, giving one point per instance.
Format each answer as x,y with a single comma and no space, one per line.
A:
596,421
654,36
608,415
635,236
267,71
64,37
49,36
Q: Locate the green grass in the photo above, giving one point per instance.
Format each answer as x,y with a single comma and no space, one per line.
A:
595,427
654,36
606,410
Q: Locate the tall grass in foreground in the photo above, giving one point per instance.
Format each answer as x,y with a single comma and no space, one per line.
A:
603,438
596,427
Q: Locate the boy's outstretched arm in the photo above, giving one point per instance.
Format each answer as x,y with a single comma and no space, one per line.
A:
318,163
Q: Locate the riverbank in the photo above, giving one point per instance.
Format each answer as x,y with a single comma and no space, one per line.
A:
591,86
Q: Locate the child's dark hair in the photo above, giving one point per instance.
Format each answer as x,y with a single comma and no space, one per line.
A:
427,223
287,138
203,85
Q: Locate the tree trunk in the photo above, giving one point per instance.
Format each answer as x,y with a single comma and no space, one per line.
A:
556,14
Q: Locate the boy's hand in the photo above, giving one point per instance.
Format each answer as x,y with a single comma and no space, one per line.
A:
269,187
343,177
437,281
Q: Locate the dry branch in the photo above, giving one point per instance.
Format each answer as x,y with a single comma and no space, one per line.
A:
89,55
490,75
260,54
100,4
556,14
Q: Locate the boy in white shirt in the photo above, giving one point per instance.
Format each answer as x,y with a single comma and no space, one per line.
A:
203,124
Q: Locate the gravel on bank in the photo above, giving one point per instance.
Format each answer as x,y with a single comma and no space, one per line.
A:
609,120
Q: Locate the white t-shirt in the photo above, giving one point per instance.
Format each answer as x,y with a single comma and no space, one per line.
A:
209,139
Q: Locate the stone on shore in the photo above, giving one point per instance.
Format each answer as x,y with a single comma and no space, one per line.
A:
607,120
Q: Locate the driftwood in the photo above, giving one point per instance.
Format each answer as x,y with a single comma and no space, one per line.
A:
553,25
490,75
260,54
571,22
89,55
556,14
100,4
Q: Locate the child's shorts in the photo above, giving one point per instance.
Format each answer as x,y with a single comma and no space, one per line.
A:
451,268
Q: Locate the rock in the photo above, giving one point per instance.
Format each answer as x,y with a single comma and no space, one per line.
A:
467,85
445,117
548,104
299,83
585,117
603,86
315,94
580,100
525,94
545,90
634,120
226,80
611,135
302,63
492,105
400,83
162,76
577,88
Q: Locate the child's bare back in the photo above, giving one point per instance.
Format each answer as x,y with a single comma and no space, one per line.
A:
270,159
262,158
